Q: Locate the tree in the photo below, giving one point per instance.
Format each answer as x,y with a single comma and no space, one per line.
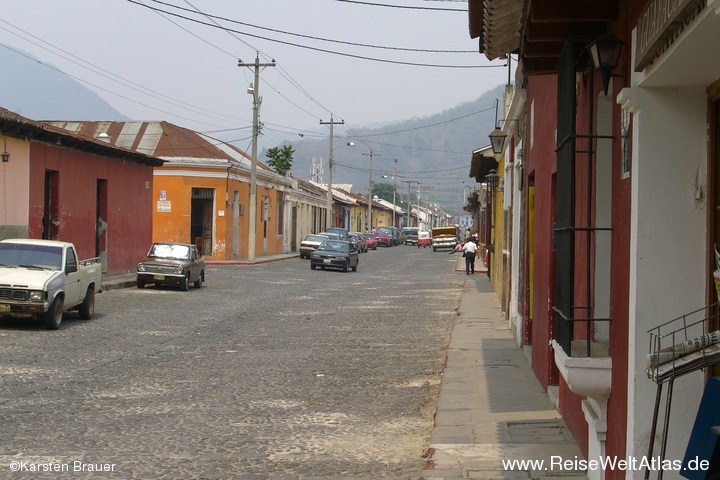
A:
384,191
280,159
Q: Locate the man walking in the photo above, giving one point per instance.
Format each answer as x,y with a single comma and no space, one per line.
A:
469,250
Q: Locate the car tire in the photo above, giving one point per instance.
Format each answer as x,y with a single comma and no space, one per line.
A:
87,307
354,269
312,266
53,317
140,283
198,283
185,283
345,267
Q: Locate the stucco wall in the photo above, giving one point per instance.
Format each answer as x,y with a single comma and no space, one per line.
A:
541,166
128,203
14,185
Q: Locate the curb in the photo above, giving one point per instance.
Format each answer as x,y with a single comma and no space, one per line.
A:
128,280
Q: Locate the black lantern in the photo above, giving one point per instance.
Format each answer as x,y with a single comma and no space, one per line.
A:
605,54
497,136
491,180
5,155
497,141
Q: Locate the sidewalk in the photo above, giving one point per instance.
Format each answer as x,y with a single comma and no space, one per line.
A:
127,280
491,406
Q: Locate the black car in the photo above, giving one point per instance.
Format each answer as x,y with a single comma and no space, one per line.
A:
171,263
335,254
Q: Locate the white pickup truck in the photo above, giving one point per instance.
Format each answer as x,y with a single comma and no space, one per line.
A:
444,237
39,279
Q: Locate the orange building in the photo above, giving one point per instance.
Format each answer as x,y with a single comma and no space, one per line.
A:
201,195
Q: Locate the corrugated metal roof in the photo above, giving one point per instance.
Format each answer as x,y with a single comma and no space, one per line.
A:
162,139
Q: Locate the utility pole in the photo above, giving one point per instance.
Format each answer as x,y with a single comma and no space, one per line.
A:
394,188
257,100
410,200
329,213
371,155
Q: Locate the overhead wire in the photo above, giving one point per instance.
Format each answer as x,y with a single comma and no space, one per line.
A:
323,50
402,6
309,37
106,74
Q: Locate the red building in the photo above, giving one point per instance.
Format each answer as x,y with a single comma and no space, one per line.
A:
619,136
59,185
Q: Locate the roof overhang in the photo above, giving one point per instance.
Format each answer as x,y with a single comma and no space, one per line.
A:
482,162
537,29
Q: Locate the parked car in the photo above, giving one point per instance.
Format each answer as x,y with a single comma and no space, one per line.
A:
332,235
410,234
392,233
171,263
340,231
335,254
383,239
371,241
359,241
310,243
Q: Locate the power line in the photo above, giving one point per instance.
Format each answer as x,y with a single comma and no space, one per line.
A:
426,126
322,50
108,75
310,37
403,6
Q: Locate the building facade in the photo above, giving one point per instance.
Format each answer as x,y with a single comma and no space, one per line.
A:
64,186
614,208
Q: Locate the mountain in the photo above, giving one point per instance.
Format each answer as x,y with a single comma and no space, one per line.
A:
40,91
433,150
429,148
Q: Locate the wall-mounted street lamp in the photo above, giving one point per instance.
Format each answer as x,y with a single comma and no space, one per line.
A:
5,155
605,54
497,136
491,180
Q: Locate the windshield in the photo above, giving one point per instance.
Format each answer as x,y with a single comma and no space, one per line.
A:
43,256
335,246
164,250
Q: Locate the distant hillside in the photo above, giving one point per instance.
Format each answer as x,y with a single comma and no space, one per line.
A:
434,150
443,141
40,92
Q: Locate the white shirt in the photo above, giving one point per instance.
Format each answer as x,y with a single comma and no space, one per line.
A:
470,247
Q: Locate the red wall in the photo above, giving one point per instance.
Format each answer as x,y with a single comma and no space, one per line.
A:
542,165
541,162
129,203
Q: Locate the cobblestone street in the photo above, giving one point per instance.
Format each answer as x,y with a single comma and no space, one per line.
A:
267,371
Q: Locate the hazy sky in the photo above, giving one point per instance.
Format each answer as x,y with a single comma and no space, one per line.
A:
154,66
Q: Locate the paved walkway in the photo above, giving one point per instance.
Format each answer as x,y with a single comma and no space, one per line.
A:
491,407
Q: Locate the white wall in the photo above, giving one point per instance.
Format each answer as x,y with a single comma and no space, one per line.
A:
668,246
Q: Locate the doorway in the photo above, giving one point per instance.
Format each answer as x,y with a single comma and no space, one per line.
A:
51,208
201,219
101,222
